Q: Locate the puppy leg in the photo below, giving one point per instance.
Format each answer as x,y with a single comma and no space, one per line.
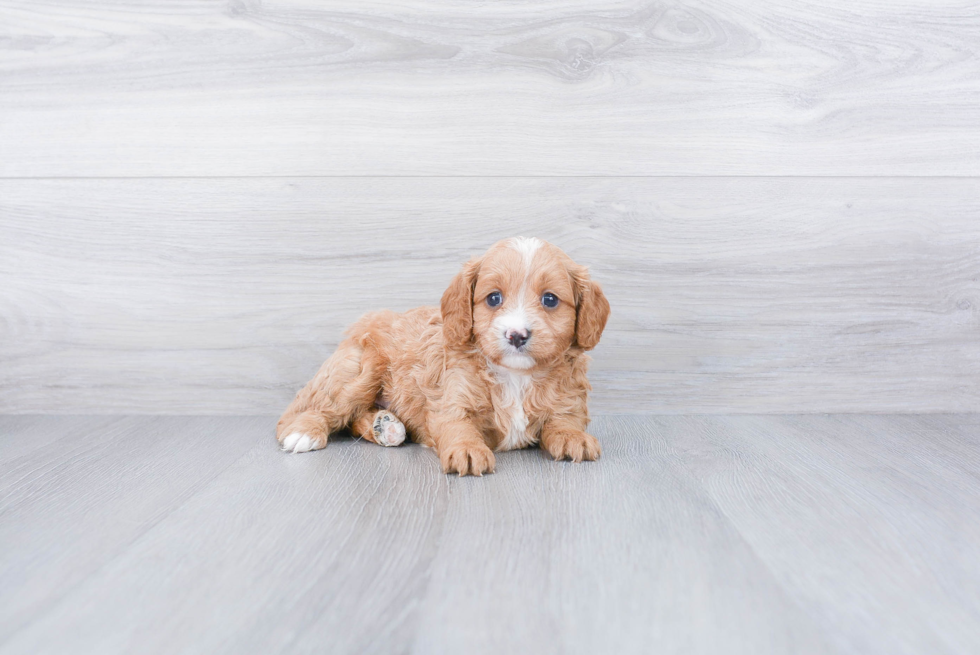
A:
461,447
345,385
380,426
566,438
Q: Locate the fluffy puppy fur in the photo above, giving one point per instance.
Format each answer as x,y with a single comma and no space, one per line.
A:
500,365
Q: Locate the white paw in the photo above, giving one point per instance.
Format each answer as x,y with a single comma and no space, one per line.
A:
388,430
297,442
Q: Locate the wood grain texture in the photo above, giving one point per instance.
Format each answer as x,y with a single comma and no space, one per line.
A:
728,294
796,490
278,554
296,87
89,489
693,534
662,565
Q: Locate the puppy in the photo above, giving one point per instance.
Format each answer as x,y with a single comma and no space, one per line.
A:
501,365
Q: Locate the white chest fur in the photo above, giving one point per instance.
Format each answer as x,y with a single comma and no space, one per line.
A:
509,396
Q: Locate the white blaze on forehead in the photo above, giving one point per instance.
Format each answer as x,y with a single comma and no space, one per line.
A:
527,246
517,318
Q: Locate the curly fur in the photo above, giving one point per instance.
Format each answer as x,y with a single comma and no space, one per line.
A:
451,375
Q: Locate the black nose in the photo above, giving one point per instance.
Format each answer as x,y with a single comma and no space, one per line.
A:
518,338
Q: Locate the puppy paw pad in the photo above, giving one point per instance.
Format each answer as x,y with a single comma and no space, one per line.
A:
387,429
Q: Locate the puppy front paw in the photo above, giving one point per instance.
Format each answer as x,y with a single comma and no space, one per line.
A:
467,459
574,445
300,442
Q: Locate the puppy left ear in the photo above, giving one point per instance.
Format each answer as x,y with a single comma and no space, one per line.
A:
457,305
591,310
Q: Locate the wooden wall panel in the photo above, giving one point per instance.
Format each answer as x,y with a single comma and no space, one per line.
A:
351,87
728,294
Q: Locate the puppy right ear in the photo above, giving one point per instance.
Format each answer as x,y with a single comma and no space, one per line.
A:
457,305
592,311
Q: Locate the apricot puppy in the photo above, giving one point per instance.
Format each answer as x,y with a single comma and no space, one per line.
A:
500,365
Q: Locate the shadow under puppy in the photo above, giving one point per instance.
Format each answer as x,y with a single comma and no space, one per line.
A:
501,365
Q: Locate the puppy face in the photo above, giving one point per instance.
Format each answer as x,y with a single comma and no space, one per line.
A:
524,304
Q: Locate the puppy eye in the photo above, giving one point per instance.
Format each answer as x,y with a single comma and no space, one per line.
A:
494,299
549,300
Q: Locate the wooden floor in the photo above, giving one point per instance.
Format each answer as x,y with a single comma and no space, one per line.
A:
694,534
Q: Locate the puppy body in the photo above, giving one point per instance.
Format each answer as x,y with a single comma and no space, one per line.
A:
500,365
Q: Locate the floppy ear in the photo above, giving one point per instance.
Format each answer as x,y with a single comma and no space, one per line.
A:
457,305
591,310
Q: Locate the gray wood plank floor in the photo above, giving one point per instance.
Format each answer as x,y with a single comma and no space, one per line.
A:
694,534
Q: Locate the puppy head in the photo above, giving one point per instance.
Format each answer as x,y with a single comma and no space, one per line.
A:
524,303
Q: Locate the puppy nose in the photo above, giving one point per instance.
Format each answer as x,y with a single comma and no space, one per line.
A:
518,338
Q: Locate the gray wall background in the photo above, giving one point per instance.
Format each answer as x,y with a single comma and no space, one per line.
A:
781,199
